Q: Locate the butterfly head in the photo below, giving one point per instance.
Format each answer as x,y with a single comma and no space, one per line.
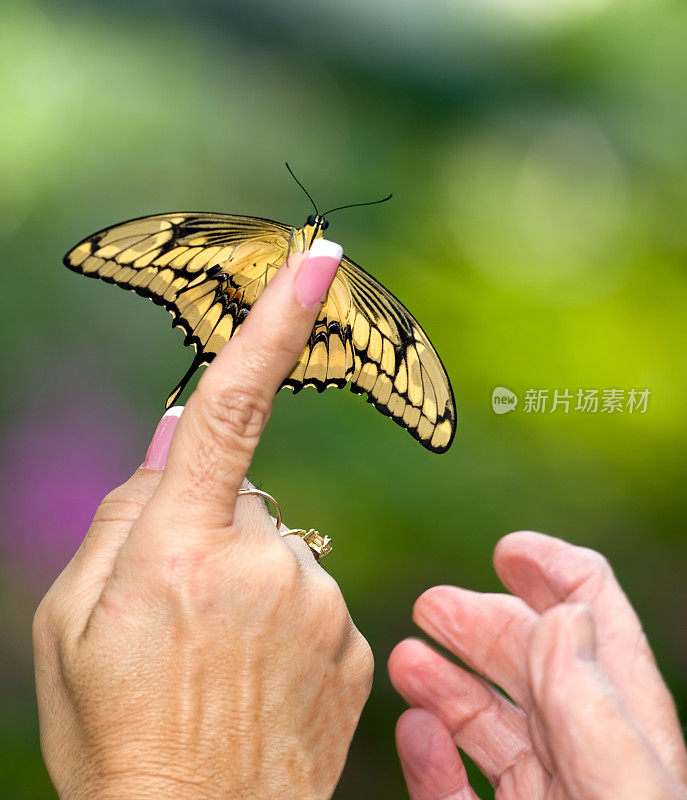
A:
318,222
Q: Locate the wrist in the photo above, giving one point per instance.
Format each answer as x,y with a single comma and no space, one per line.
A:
139,787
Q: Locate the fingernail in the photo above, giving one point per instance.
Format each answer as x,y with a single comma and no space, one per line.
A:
317,272
156,457
578,633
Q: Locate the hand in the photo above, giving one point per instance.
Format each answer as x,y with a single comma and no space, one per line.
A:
590,716
188,650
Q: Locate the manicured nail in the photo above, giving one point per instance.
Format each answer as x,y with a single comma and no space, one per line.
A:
317,272
578,633
156,457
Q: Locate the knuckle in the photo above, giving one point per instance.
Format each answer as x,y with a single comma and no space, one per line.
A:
277,346
278,567
194,581
596,562
326,602
596,570
132,490
187,575
233,412
272,579
124,503
582,573
329,595
116,495
363,661
273,346
45,625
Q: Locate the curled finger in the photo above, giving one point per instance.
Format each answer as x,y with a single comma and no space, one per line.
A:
431,763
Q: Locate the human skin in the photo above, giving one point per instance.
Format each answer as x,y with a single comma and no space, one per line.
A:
188,650
589,716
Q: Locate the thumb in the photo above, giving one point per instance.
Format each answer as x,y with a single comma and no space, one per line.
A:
596,748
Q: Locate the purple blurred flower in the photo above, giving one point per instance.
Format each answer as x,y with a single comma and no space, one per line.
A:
58,461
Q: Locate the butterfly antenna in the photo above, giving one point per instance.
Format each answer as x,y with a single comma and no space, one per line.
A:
302,187
355,205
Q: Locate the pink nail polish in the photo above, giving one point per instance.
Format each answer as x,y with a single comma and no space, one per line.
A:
156,457
317,272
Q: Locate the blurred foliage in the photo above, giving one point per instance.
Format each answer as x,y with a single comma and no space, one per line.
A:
537,152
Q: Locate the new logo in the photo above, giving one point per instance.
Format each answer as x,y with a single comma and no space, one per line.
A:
503,400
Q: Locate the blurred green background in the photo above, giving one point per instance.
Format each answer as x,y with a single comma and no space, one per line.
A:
537,152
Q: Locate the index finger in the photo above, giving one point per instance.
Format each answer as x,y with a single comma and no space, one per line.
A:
224,418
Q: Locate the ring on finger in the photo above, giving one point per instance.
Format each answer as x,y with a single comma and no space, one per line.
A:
265,496
320,545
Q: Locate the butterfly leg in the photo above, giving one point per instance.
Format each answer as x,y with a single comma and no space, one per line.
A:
293,244
198,361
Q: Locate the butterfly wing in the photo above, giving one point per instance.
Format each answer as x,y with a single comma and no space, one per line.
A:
364,335
208,270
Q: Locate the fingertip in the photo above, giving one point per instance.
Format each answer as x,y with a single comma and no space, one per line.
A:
520,561
414,668
315,276
158,450
525,542
431,764
404,659
515,543
446,610
326,248
431,598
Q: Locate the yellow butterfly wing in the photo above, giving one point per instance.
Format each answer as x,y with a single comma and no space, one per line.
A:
183,260
364,335
208,269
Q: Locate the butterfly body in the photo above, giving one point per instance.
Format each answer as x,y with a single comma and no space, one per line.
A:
208,269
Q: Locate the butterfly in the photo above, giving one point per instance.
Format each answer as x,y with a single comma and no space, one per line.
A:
208,269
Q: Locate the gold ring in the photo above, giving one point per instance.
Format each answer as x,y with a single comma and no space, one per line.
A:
320,545
265,496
